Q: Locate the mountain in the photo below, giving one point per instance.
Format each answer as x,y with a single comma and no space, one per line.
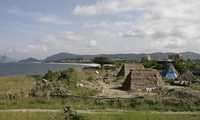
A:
190,55
61,56
157,56
29,60
6,59
130,56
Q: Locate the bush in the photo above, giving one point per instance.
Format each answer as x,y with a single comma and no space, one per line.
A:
51,76
71,115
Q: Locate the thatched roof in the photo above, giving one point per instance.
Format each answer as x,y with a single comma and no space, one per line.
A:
140,79
125,69
186,76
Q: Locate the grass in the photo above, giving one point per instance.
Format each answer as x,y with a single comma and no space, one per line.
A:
31,116
42,103
138,116
16,84
21,84
133,115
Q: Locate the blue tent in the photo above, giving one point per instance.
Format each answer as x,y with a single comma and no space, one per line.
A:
170,73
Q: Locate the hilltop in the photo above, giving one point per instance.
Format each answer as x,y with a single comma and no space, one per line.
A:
129,56
5,59
29,60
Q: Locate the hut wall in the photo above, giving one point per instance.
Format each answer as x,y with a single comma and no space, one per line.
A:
125,69
139,80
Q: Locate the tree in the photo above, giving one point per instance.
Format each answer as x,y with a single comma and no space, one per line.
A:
102,61
181,65
152,64
49,75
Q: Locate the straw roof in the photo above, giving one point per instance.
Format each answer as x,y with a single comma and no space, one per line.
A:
186,76
140,79
125,68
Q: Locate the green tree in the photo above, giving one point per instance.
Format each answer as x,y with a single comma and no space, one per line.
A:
181,65
102,61
152,64
49,75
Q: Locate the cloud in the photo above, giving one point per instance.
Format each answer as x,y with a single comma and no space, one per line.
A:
109,6
162,25
92,43
52,19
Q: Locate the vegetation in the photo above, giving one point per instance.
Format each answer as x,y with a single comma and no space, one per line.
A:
112,115
180,64
62,84
16,83
16,87
31,116
102,60
54,90
138,116
152,64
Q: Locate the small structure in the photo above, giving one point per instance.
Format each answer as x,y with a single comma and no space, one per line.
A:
125,69
141,80
185,79
171,73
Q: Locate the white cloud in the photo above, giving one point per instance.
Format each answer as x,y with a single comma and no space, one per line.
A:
109,6
162,25
52,19
92,43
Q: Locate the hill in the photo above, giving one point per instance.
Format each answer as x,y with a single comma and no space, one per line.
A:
5,59
130,56
29,60
61,56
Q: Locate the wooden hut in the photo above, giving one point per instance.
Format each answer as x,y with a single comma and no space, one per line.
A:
125,69
141,80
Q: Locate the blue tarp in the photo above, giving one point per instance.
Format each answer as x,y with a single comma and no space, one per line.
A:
170,73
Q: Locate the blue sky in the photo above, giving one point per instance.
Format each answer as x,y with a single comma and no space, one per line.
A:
38,28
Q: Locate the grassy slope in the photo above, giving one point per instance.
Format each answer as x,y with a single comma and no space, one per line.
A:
139,116
24,83
15,84
30,116
99,116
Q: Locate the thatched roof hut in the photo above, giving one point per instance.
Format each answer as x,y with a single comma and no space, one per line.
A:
125,69
185,79
142,79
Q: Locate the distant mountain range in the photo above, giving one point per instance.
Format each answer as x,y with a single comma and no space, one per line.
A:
6,59
131,56
69,56
30,60
62,56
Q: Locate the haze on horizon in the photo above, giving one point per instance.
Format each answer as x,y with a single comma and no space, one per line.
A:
38,28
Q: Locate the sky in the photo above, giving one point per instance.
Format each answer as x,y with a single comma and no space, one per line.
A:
39,28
